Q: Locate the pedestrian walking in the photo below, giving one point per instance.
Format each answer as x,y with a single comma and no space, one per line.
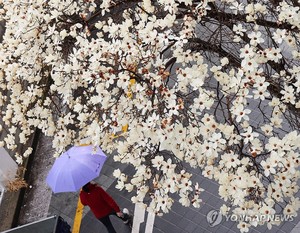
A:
102,205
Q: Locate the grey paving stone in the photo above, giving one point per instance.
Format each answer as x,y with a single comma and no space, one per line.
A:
221,229
123,202
206,208
58,212
264,228
213,202
156,230
198,218
69,210
183,223
191,227
108,170
105,181
129,170
277,230
233,230
296,219
67,219
236,230
91,225
95,228
53,211
190,214
178,208
200,229
287,226
88,220
166,226
296,229
256,230
217,205
213,187
173,217
55,202
123,193
206,184
205,196
229,224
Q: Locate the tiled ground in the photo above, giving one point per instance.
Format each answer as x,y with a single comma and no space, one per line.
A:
179,220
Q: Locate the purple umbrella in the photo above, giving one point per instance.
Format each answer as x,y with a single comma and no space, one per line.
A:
75,167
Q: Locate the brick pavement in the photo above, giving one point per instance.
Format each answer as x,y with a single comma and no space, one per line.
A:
179,220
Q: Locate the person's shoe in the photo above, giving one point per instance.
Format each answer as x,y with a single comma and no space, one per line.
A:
126,213
130,221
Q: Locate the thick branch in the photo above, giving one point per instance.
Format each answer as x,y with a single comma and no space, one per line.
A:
228,17
198,44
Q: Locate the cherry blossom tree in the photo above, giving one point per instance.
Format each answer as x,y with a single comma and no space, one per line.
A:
212,84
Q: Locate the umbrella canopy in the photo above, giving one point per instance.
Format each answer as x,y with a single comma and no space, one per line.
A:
75,168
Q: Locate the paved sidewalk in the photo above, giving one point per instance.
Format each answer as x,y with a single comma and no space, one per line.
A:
179,220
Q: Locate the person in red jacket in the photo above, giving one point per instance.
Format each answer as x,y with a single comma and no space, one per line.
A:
102,205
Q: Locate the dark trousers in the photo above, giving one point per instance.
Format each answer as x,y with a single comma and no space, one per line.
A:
107,223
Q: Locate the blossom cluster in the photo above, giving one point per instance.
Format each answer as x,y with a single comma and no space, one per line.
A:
166,84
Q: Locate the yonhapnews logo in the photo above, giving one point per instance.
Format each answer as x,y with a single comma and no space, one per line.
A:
214,218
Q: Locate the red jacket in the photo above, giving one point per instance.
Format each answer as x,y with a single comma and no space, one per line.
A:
100,203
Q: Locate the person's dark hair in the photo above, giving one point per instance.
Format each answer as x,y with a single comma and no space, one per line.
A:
85,188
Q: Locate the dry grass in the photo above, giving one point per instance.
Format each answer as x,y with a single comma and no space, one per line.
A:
18,182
